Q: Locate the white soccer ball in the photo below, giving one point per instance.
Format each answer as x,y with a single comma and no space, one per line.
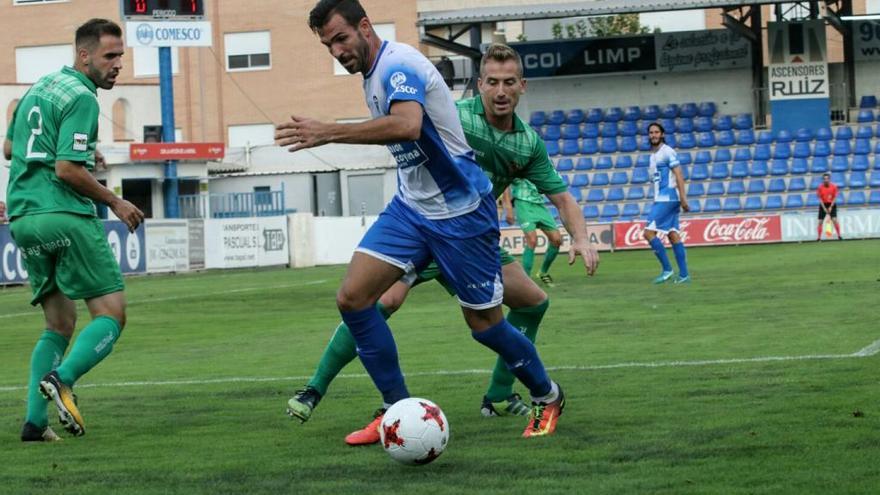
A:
414,431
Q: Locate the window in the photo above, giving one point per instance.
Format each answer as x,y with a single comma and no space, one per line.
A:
251,135
34,62
146,61
248,51
386,32
262,195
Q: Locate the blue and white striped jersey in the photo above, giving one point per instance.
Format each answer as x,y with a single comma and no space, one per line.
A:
663,161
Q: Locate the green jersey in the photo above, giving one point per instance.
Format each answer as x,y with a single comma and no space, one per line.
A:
57,119
508,155
524,190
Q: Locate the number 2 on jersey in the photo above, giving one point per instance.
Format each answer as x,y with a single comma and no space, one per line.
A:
35,131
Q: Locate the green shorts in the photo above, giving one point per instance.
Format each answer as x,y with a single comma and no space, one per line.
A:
66,252
531,216
432,272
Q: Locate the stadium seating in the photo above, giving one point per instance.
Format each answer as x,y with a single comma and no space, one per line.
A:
595,115
670,111
715,189
580,180
575,116
799,166
590,130
628,144
840,163
762,152
765,137
552,147
856,198
613,114
595,195
584,163
571,131
628,128
591,211
743,121
736,187
687,141
576,194
645,160
618,178
774,202
784,136
725,138
557,117
794,201
609,212
819,165
779,167
720,171
723,123
862,147
699,171
639,176
860,163
745,137
632,114
608,130
803,135
552,132
874,198
570,147
740,169
684,124
695,189
759,169
538,118
857,180
688,109
684,158
707,109
703,124
801,149
630,210
564,165
776,185
651,112
589,146
636,192
864,132
844,132
796,184
756,186
865,115
604,162
868,101
781,151
600,179
874,180
732,205
712,205
615,194
753,203
608,145
823,134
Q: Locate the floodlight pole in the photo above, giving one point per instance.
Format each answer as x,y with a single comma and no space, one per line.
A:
166,92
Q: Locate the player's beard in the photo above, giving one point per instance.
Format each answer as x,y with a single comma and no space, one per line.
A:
101,80
362,56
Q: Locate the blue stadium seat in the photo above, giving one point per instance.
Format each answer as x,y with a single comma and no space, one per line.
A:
765,137
687,141
552,147
745,137
815,181
564,165
639,176
595,195
877,152
801,149
685,172
684,124
575,116
868,101
552,131
740,169
695,205
632,114
644,144
623,161
803,135
684,158
642,127
703,156
571,131
725,138
860,163
742,154
865,115
699,172
823,134
576,193
702,124
669,126
595,115
554,212
628,144
688,109
631,210
844,132
756,186
600,179
538,118
537,129
874,180
877,131
732,204
628,128
712,205
618,178
841,198
635,192
615,194
774,202
608,129
670,111
762,152
604,163
838,178
570,147
864,132
613,114
590,130
736,187
564,178
812,200
589,146
645,160
794,201
842,147
723,123
609,212
840,164
651,112
874,198
857,180
776,185
670,140
723,155
591,211
796,184
779,167
784,136
580,180
799,166
707,109
758,169
856,198
715,189
584,163
782,151
743,121
862,147
720,171
753,203
696,189
557,117
822,148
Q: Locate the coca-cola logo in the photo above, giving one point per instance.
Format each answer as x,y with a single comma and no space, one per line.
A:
635,235
745,230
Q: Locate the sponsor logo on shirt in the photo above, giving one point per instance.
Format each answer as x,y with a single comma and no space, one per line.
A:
80,141
397,79
408,154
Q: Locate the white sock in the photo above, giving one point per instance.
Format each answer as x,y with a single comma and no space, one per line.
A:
552,396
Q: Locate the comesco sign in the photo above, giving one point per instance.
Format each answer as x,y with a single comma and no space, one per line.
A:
168,33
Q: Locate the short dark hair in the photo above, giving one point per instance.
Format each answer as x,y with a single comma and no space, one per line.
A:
826,174
500,52
350,10
89,34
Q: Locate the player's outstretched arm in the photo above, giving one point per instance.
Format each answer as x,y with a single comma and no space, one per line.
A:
574,223
83,182
404,123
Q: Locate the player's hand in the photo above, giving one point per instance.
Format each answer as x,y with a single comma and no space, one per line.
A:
588,253
100,162
300,133
128,213
685,206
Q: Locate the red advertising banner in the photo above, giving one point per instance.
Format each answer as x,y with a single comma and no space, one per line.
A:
176,151
707,231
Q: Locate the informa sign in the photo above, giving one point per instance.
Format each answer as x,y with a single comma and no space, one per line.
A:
866,40
854,224
798,67
128,247
702,50
176,151
706,231
514,241
167,243
168,33
246,242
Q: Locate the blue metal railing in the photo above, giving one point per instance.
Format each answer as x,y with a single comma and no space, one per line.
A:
233,205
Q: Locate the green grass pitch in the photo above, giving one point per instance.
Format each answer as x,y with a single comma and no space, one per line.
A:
760,377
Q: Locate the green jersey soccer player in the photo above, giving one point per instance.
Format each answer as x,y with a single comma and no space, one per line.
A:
506,149
531,214
51,143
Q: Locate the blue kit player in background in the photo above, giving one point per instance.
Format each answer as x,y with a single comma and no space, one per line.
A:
669,198
443,211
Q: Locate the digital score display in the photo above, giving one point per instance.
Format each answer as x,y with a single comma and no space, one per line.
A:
163,9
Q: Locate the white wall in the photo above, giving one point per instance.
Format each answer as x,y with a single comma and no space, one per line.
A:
297,187
731,90
867,79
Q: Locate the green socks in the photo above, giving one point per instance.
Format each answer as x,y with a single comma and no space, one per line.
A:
528,260
526,320
93,344
340,351
46,356
549,258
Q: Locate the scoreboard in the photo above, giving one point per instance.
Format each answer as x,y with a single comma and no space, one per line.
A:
162,9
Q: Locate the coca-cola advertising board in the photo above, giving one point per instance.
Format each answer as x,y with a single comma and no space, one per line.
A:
707,231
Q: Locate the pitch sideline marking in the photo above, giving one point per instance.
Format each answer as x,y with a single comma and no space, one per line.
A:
870,350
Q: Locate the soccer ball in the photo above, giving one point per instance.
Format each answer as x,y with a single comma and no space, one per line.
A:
414,431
